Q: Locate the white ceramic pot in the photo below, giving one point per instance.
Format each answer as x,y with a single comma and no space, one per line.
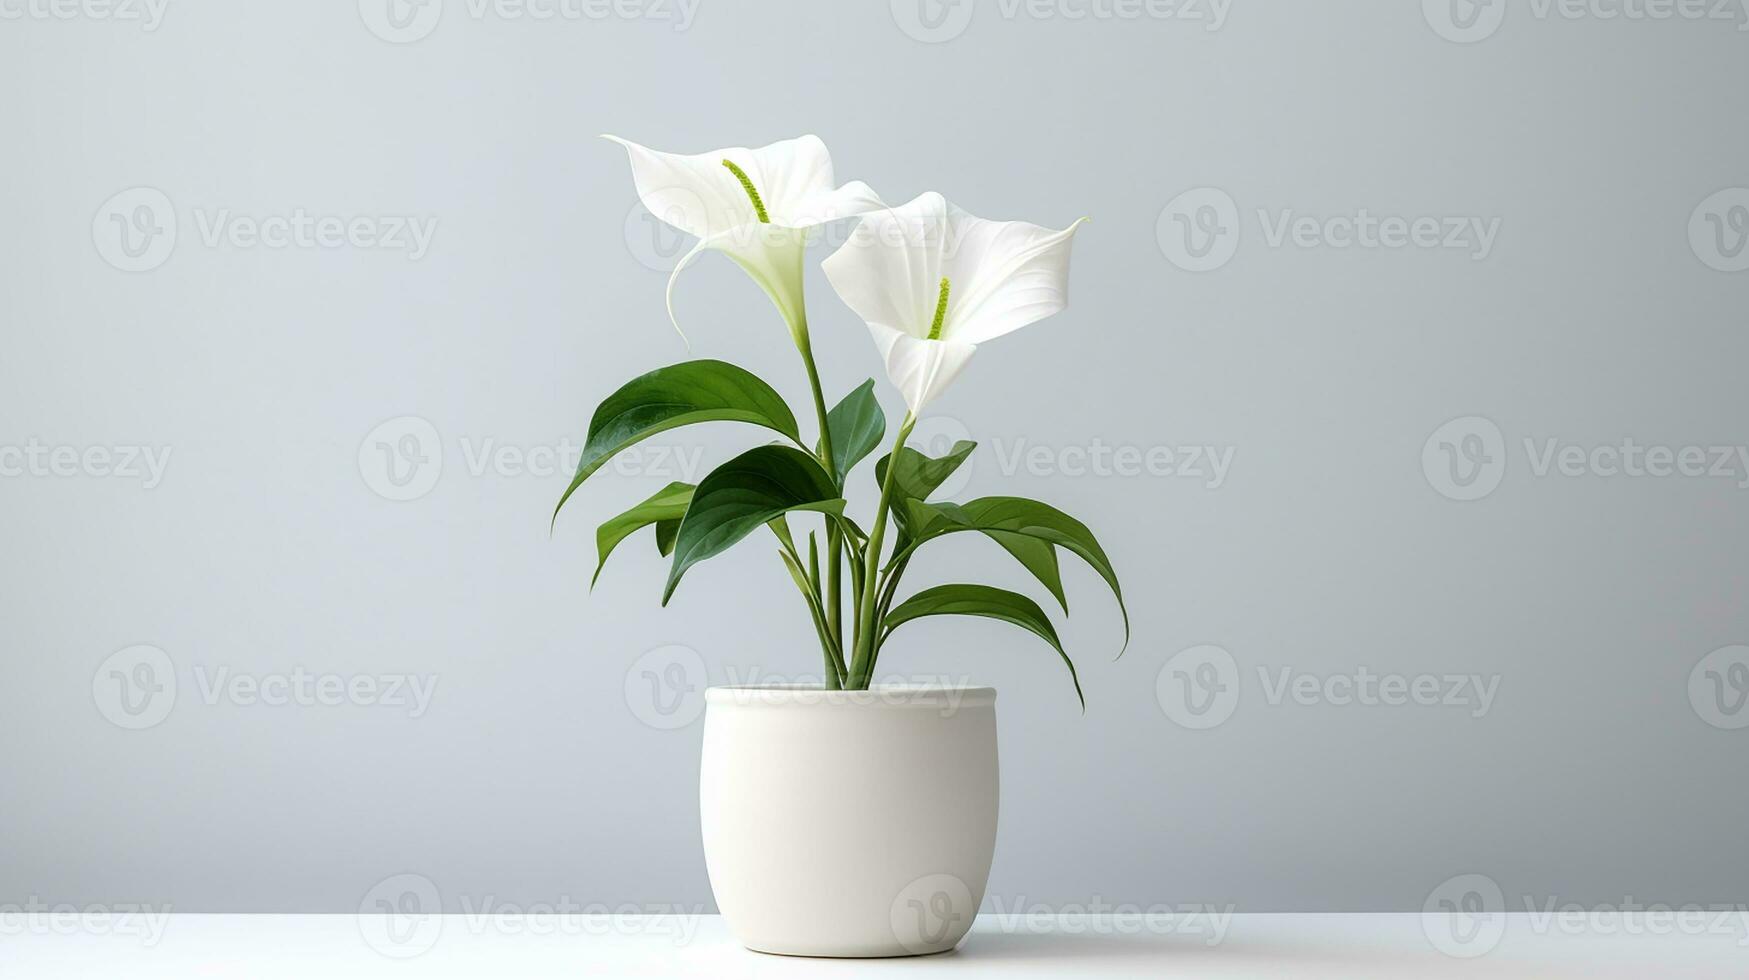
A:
849,823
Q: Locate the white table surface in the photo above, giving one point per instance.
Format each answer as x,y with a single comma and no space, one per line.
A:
335,947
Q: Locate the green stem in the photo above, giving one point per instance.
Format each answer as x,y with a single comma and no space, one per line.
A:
889,589
868,624
828,647
834,591
834,537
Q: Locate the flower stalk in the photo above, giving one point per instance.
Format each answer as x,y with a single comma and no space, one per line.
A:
832,601
867,618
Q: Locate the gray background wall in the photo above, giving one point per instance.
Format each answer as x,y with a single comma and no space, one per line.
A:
1606,764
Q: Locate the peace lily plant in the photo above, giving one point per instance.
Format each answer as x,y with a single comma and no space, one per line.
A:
932,282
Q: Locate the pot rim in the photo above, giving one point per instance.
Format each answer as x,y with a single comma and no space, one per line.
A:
879,696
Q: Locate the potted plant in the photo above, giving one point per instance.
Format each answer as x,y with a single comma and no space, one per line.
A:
848,818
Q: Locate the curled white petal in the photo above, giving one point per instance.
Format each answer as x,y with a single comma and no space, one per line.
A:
693,192
889,270
920,368
1000,275
1006,275
697,194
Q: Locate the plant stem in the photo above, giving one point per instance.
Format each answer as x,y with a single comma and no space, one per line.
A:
888,589
834,537
806,583
868,622
834,599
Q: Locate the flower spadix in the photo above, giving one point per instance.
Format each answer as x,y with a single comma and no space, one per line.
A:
933,282
754,205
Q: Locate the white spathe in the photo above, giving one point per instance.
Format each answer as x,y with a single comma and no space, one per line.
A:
1002,276
697,194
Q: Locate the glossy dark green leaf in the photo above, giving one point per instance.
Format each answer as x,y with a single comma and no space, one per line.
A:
1006,519
677,395
857,425
988,602
737,497
1040,520
1036,555
918,475
666,531
666,506
1039,557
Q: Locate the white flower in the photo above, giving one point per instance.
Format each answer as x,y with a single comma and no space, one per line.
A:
934,282
756,206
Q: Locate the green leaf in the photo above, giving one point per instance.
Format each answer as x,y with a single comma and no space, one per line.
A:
1039,557
737,497
1040,520
1006,519
857,426
670,397
667,506
991,603
780,527
796,574
918,475
665,534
